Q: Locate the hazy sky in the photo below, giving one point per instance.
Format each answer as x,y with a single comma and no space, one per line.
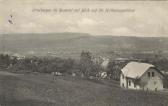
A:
137,18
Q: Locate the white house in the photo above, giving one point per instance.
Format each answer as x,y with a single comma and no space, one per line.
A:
144,76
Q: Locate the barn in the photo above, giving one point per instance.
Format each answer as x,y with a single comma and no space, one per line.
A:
142,76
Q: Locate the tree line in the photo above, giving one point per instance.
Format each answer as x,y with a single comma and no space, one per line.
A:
85,66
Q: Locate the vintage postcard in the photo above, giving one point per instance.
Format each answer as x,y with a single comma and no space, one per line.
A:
83,53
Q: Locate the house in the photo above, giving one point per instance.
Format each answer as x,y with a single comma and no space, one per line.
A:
17,56
144,76
56,74
103,75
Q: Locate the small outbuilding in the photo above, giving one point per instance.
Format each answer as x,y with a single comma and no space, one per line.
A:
144,76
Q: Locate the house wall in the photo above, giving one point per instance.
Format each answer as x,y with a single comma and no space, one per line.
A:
132,84
123,82
151,83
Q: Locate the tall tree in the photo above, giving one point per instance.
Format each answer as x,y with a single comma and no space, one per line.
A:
86,62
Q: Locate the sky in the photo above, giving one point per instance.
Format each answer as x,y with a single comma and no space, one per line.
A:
124,18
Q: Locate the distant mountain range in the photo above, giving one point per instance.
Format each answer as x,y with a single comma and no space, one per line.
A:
71,44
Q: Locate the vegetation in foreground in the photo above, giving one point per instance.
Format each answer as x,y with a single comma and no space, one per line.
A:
86,66
41,90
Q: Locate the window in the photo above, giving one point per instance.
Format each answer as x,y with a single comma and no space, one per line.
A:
148,74
134,85
153,74
154,82
122,76
129,83
155,89
123,84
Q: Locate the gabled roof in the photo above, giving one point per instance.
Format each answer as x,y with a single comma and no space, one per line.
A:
135,69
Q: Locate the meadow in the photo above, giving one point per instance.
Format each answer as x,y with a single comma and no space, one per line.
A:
41,90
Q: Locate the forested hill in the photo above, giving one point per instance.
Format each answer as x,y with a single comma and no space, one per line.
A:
73,43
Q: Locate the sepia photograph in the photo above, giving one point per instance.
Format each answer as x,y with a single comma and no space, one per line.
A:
83,53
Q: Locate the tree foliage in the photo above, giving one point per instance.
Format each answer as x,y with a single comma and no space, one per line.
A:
87,66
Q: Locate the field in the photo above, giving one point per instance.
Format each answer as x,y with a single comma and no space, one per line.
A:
41,90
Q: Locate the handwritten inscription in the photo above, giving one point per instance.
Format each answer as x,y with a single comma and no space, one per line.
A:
81,10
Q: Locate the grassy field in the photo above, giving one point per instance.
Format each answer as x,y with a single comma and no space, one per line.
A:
41,90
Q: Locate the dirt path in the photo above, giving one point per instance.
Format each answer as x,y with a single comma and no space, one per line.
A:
8,73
